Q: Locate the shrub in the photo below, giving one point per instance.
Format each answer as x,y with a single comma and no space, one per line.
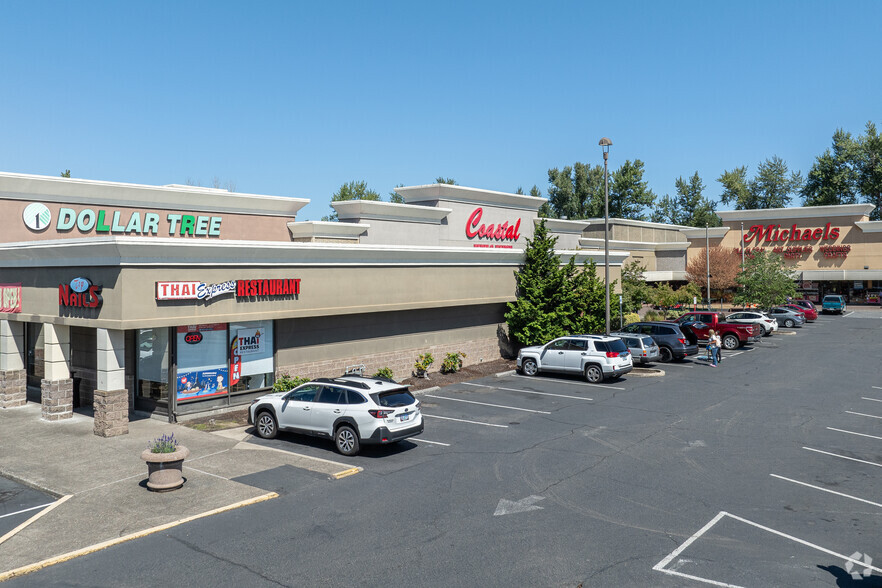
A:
631,317
384,372
164,444
421,366
452,362
650,316
285,382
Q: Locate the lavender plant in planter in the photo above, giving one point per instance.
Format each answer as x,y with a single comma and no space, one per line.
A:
165,461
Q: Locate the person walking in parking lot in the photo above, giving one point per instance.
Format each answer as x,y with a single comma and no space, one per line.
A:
713,346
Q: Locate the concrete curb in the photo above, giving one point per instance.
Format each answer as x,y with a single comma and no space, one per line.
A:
137,535
508,373
646,372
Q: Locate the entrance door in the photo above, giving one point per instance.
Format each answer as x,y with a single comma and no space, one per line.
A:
35,367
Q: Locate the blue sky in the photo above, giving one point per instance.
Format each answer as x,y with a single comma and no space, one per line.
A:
296,98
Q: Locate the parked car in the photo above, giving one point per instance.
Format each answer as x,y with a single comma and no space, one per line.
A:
643,349
732,335
672,342
767,324
787,317
804,303
596,356
810,314
351,410
833,303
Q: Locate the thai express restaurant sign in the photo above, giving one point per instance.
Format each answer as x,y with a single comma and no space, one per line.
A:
242,288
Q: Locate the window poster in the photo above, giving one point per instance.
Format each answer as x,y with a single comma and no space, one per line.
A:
202,361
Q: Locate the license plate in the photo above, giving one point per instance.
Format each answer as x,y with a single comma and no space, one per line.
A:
403,417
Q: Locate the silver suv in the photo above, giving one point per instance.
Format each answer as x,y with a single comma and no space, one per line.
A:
596,356
351,410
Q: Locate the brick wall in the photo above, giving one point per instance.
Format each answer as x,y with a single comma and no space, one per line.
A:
13,388
400,362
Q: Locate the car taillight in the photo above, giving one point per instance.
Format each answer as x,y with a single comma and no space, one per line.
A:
612,353
380,414
683,341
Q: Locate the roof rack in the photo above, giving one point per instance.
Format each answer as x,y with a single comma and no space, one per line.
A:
345,381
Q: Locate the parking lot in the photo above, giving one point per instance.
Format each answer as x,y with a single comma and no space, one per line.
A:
762,472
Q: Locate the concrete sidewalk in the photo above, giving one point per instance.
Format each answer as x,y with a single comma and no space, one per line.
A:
103,480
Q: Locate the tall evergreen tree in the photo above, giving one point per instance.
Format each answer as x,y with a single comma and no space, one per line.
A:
870,169
629,194
769,188
833,178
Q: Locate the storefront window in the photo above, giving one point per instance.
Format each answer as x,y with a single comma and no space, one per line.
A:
153,364
202,361
251,355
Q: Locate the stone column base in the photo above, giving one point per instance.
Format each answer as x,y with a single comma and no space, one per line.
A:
111,412
13,388
57,397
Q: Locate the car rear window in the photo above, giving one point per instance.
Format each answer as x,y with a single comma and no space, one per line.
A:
648,342
615,345
394,398
666,331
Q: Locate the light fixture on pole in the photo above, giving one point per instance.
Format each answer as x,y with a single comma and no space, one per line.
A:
742,245
707,258
604,145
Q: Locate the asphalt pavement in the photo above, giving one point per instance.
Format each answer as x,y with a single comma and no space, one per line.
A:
762,472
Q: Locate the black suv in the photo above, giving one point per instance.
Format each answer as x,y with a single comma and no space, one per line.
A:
673,342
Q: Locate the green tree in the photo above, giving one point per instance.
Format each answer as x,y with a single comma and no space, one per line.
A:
689,207
664,297
451,181
65,173
395,196
869,168
352,191
553,300
769,188
635,290
833,178
629,194
764,280
575,191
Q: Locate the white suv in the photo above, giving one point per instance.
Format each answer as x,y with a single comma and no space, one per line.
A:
351,410
596,356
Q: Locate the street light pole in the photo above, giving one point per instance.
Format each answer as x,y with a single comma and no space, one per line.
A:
604,145
707,259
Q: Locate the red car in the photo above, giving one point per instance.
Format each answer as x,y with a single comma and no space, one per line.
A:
810,313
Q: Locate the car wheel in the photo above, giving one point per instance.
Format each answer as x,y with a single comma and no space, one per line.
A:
763,331
789,323
730,342
593,374
346,440
267,428
530,368
665,355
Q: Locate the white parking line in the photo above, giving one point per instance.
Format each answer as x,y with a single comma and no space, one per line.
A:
25,510
661,565
530,391
848,314
878,465
680,365
576,383
873,399
877,387
826,490
429,442
487,404
432,416
853,433
872,416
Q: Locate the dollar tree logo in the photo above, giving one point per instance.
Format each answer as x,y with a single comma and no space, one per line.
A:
854,570
36,216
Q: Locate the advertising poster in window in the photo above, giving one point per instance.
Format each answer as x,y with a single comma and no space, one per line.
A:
202,361
251,355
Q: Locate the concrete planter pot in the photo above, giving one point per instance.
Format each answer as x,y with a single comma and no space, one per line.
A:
165,470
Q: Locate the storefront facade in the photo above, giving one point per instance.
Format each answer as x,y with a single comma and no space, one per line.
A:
174,299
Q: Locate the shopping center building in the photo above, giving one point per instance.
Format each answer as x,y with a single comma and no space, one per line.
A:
176,299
